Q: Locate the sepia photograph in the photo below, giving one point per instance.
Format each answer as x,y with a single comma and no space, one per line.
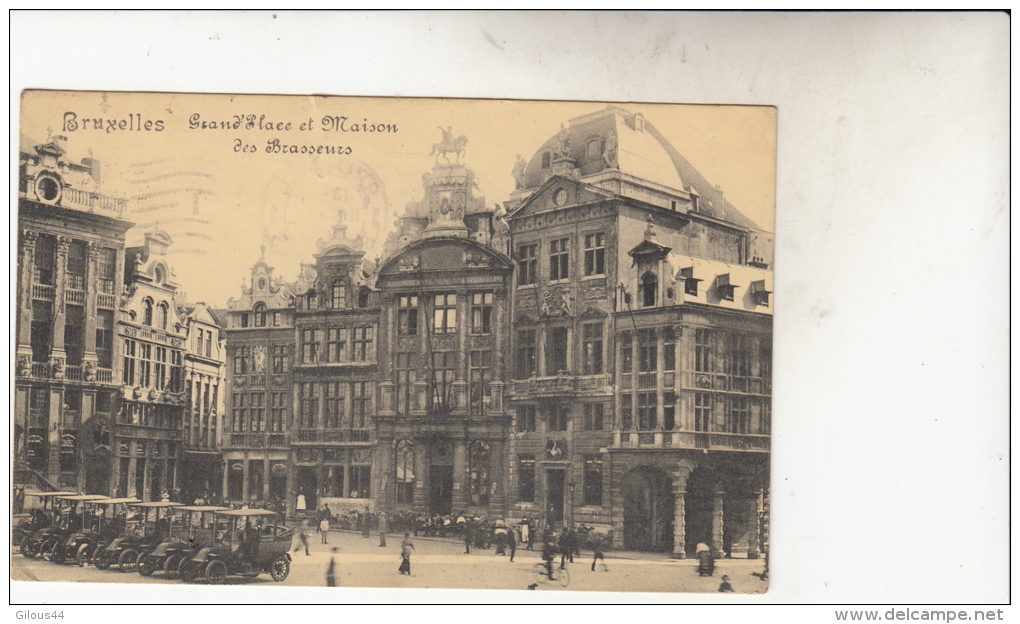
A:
393,342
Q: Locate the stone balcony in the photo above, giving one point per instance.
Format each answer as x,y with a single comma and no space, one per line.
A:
707,441
333,436
257,440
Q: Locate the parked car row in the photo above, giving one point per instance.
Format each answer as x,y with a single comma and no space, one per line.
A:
189,542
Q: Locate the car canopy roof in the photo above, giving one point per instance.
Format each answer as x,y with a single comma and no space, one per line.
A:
48,494
116,501
246,512
158,504
202,508
85,497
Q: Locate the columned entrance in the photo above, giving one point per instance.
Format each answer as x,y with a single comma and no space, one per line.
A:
441,490
648,510
308,484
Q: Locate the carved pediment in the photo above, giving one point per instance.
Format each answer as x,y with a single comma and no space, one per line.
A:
559,192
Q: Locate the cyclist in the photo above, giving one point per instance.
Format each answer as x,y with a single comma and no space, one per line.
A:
548,555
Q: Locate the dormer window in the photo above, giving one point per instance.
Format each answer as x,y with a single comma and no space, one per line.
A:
639,123
363,298
147,312
649,289
311,302
163,314
595,147
339,299
759,294
260,314
690,282
724,287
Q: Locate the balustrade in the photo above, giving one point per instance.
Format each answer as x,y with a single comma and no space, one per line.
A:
43,292
694,439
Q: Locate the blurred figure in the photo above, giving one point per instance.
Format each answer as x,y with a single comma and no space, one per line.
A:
706,562
725,586
406,547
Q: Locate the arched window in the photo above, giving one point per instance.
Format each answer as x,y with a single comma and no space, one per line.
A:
595,147
649,288
147,312
478,473
163,314
260,314
546,160
405,472
339,295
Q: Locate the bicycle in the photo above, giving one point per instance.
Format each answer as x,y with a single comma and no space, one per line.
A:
561,576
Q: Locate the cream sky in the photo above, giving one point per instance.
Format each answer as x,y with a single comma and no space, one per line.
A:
289,201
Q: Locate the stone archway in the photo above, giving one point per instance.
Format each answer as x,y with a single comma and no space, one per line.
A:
648,510
699,502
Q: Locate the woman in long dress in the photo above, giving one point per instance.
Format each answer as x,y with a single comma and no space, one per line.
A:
300,502
406,547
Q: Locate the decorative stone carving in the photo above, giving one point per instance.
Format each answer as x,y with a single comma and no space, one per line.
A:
475,259
555,448
609,152
136,392
24,366
557,303
409,263
518,172
448,145
90,371
153,395
595,292
58,369
563,142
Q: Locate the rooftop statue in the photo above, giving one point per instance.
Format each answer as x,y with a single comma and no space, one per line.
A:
448,145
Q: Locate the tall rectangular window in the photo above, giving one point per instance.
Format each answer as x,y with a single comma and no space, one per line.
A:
556,350
240,360
339,296
334,404
360,480
407,316
559,415
308,403
525,418
43,270
479,378
702,411
648,351
669,349
739,417
559,259
445,314
160,376
258,412
77,261
42,330
443,367
592,337
336,344
669,410
738,358
209,335
145,365
310,346
526,478
527,264
279,359
702,351
595,254
362,344
593,416
239,414
406,374
107,269
130,358
627,352
360,402
764,359
526,349
647,405
104,338
277,410
74,334
481,313
592,480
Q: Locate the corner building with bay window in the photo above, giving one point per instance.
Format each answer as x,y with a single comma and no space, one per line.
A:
641,341
445,288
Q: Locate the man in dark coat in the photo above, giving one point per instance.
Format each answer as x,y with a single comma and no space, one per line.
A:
511,542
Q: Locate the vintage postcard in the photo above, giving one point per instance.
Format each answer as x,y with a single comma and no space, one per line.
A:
393,342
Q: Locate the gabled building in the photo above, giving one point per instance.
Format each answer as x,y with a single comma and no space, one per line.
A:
444,292
335,377
70,276
259,333
150,414
642,344
204,381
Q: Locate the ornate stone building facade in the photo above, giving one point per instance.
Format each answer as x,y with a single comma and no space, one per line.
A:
70,272
335,377
642,344
259,332
445,293
153,331
204,382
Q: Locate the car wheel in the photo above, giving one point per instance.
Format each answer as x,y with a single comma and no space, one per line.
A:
99,560
189,571
46,552
216,572
171,567
128,560
182,566
279,568
146,566
83,555
58,554
26,548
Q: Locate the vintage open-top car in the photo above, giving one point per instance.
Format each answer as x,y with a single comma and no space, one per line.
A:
67,520
80,527
145,530
191,529
29,534
103,525
248,543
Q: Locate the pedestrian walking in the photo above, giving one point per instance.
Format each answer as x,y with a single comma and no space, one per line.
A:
725,586
467,538
331,569
366,529
706,562
301,506
383,526
405,554
324,528
512,542
599,545
302,536
526,532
